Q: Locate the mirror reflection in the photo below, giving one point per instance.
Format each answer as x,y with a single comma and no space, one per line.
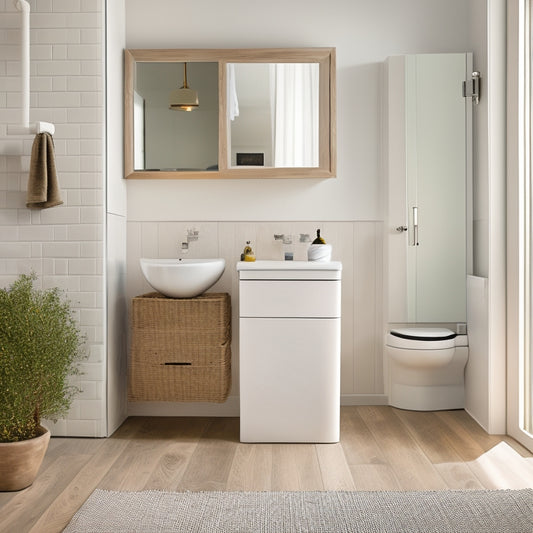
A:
170,139
250,113
273,112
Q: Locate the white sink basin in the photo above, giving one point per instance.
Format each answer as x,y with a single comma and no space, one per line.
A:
182,278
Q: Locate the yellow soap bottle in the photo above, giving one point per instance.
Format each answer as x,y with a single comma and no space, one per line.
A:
248,253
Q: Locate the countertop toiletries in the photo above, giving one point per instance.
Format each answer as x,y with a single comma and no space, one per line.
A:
248,253
319,239
319,250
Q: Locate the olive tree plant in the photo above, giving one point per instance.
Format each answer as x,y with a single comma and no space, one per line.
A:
41,345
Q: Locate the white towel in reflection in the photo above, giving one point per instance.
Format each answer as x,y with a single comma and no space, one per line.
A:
233,102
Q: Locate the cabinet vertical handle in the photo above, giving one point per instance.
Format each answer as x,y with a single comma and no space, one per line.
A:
415,226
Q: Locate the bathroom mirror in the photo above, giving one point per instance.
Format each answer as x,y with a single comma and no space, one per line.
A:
430,180
261,113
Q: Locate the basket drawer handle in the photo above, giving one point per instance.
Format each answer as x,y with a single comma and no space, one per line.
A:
177,364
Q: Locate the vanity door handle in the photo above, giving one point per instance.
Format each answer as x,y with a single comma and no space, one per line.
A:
401,229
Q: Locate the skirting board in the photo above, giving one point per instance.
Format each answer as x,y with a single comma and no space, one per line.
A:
230,407
364,399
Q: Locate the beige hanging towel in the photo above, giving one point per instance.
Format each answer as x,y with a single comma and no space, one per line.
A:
43,187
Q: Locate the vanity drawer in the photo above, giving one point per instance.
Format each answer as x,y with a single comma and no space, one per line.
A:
290,298
180,348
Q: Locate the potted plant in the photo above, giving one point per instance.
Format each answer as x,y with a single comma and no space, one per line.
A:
40,346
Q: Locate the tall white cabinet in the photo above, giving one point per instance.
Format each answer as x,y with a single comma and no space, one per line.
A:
289,322
429,147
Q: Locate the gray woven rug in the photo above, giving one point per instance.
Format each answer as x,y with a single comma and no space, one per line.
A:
498,511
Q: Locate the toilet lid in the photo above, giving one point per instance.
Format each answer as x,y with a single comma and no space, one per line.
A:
423,334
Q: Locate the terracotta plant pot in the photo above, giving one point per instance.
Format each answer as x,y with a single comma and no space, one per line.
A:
20,461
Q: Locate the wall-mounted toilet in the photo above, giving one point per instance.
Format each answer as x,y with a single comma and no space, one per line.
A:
426,368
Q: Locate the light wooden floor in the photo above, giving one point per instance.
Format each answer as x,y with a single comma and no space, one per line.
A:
381,448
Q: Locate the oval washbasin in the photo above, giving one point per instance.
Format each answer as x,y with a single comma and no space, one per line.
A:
182,278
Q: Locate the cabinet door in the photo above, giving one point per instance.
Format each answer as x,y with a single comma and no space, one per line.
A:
289,380
430,177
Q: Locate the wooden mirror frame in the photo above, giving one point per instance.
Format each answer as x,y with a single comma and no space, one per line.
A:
325,57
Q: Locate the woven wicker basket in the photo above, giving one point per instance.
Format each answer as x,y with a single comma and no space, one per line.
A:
181,348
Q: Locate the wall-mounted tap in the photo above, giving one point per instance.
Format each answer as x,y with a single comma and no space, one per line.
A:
192,236
293,247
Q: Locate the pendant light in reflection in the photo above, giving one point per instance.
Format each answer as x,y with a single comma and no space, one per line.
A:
184,98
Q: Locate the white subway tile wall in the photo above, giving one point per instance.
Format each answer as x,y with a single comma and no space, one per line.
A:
65,244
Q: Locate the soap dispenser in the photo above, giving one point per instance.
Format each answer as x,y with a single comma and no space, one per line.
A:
248,253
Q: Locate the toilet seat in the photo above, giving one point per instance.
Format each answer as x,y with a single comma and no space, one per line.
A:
421,338
424,334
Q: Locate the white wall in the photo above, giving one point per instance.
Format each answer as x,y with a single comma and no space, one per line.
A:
486,399
64,245
496,148
478,17
364,33
477,369
116,309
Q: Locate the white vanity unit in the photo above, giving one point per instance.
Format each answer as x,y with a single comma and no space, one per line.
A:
289,351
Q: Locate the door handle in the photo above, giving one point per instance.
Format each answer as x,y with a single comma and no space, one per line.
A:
415,226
